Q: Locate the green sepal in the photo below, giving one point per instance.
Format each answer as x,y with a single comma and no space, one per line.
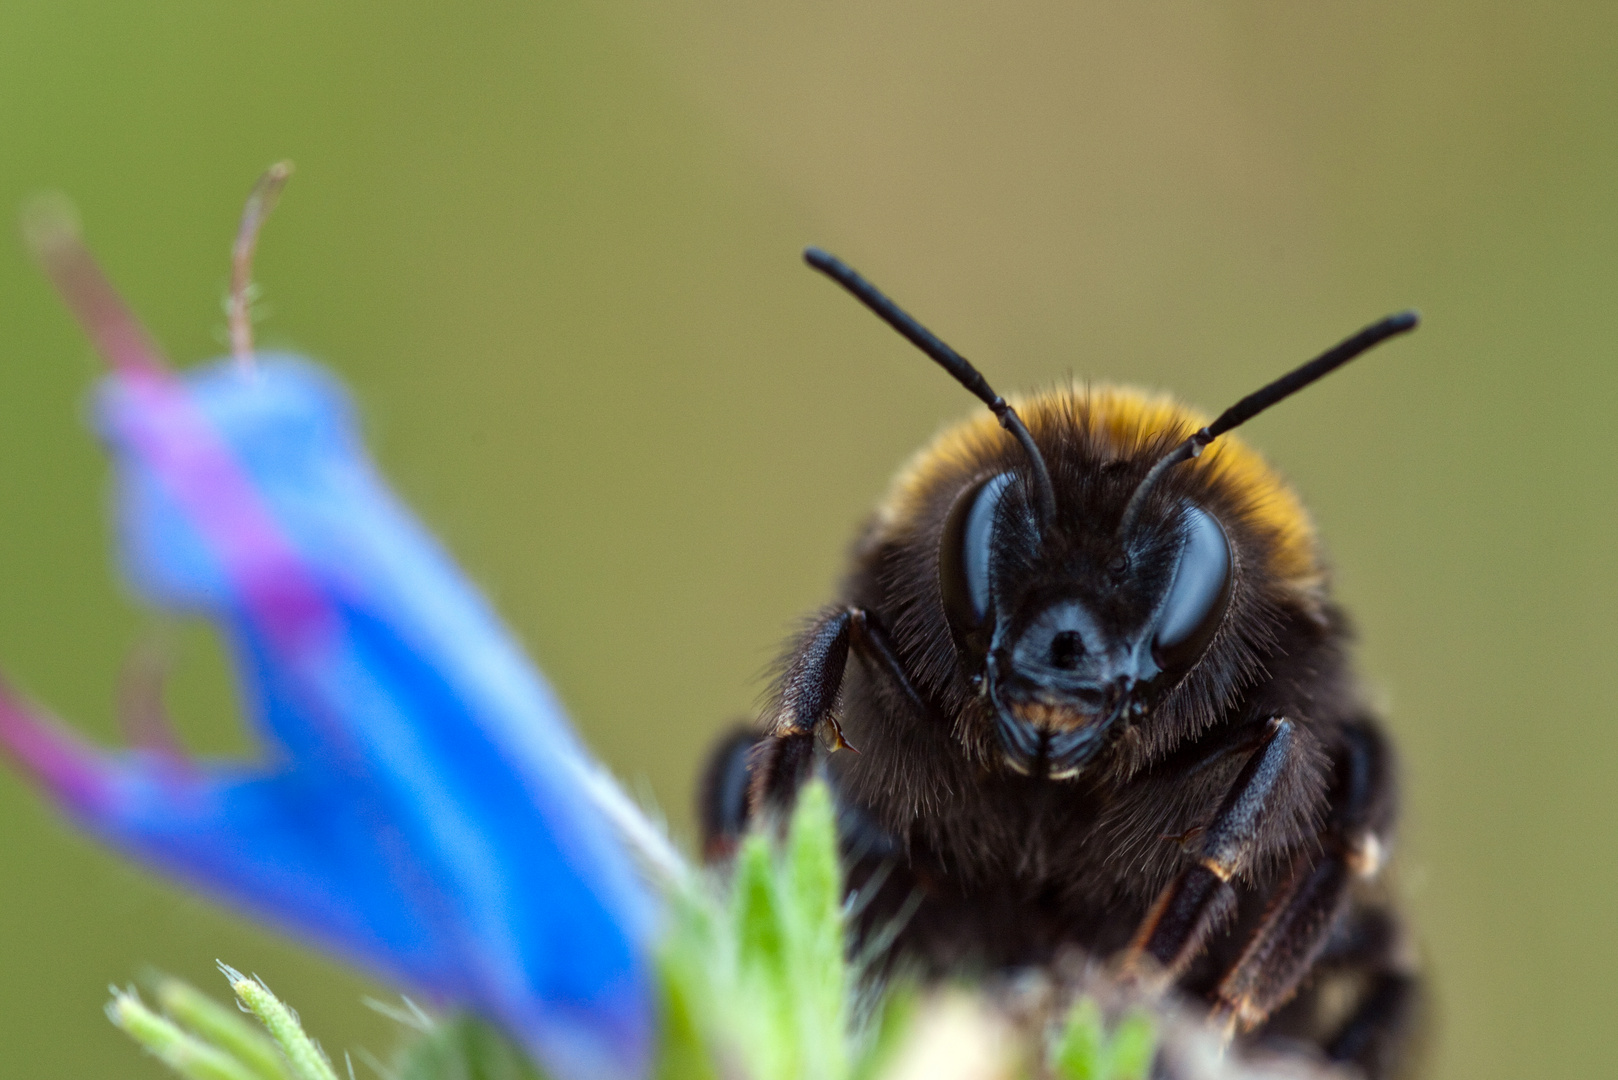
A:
307,1061
185,1053
883,1033
1134,1043
221,1025
463,1048
1083,1049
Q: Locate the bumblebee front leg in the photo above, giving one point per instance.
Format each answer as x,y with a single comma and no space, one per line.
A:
1201,898
1298,929
1299,924
806,701
1306,928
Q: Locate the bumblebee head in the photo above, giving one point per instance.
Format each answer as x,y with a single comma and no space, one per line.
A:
1081,578
1067,631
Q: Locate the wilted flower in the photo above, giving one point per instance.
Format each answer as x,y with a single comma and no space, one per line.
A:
422,802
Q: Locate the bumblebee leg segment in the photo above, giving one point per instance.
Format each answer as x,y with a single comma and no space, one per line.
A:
781,765
1362,938
1375,1032
1362,803
1197,902
1286,945
870,640
722,809
1306,915
1369,950
806,699
1373,1035
1184,915
814,678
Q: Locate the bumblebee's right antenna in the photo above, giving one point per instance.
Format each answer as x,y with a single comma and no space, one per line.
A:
1256,402
948,359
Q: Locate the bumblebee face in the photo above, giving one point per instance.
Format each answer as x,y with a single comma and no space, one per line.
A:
1068,628
1049,636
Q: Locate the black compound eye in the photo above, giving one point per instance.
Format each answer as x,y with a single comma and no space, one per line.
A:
1197,597
964,554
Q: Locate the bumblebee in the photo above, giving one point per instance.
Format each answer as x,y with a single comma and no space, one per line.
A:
1101,700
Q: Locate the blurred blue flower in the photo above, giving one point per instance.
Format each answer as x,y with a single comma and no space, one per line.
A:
422,806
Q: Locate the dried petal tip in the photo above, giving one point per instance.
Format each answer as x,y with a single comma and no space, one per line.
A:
260,202
141,712
50,225
274,177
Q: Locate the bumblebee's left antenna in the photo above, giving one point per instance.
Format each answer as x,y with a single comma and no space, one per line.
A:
948,359
1261,399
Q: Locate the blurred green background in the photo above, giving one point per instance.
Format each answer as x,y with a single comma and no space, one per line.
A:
554,249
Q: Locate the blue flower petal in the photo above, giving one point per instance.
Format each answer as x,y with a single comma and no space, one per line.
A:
421,807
